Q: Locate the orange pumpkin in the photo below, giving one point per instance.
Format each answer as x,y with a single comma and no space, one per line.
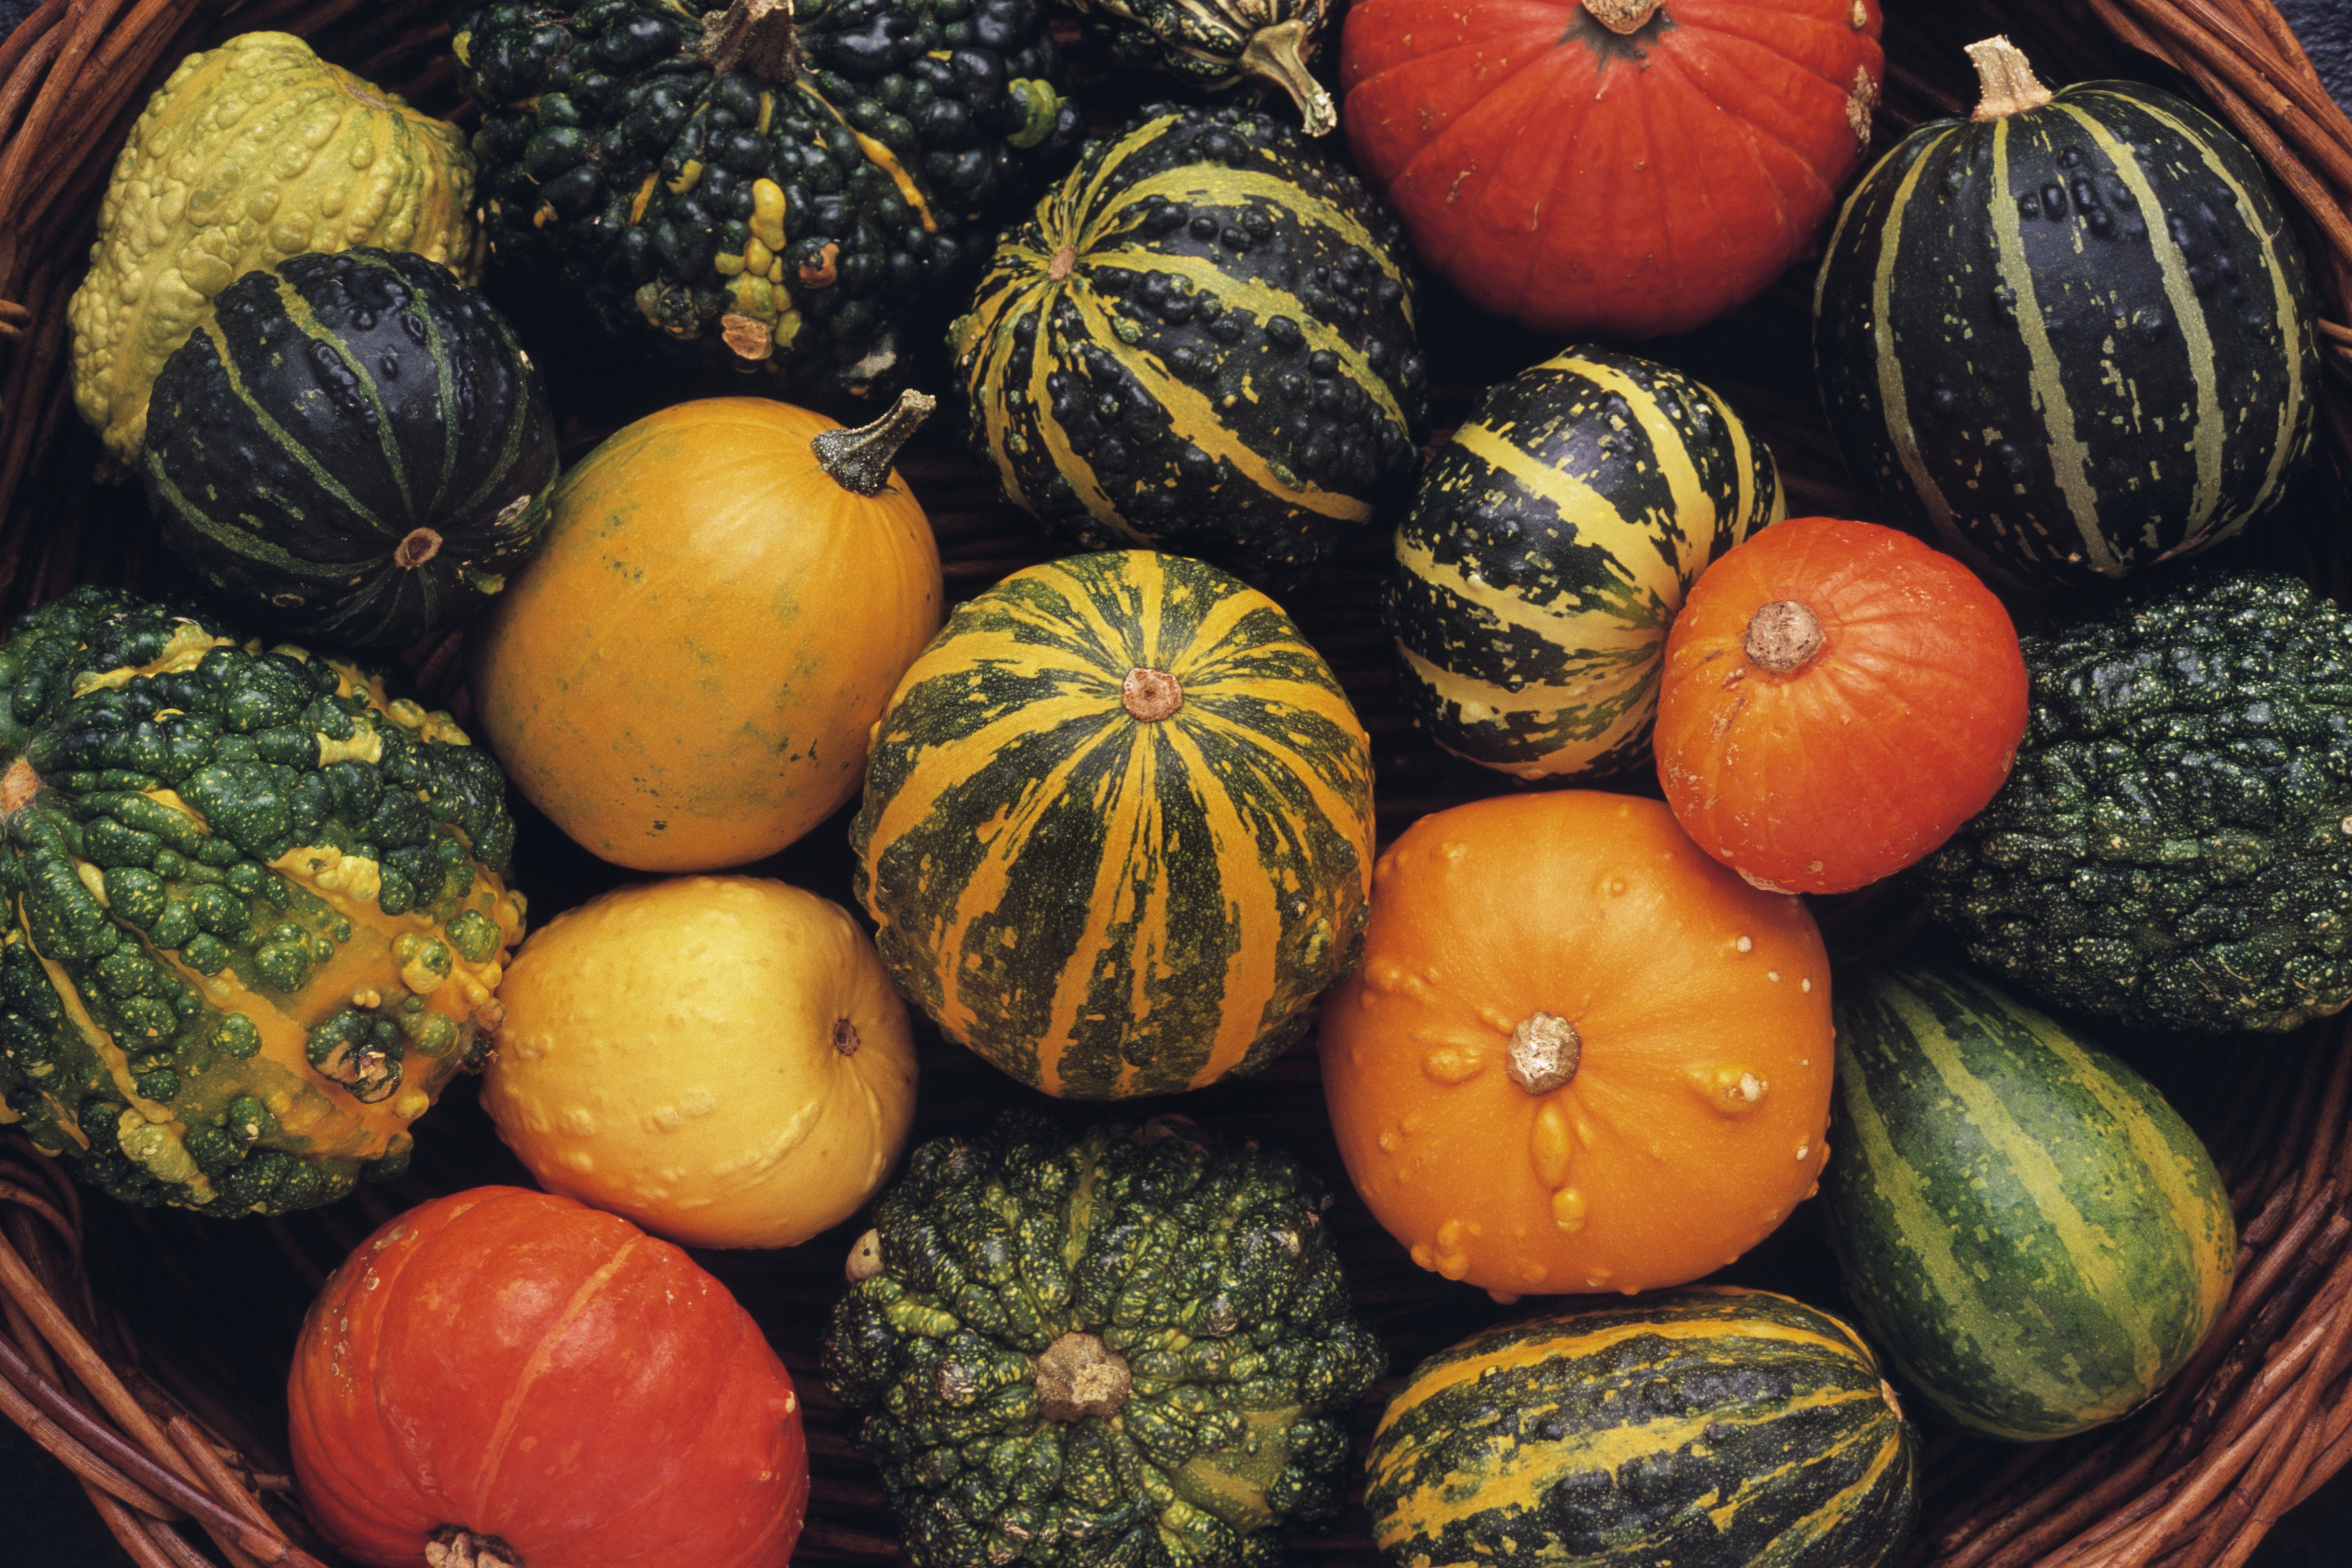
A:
1579,1054
1836,699
684,676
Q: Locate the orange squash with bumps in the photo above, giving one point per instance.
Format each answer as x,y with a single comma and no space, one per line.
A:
1579,1055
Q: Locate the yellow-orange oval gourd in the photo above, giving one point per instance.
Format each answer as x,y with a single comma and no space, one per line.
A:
684,676
720,1060
1578,1053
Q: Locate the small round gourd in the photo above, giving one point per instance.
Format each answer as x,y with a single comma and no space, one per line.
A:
352,447
1549,546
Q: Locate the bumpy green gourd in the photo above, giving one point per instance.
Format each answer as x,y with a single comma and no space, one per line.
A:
1222,43
256,908
250,153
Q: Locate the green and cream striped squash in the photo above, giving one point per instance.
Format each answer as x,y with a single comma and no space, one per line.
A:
2035,1241
1548,549
1706,1427
1117,829
1201,342
2070,338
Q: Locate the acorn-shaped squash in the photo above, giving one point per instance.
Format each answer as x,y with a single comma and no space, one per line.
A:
1201,342
352,447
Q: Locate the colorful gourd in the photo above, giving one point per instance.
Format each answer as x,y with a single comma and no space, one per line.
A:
1837,699
257,126
721,1060
685,677
1579,1054
256,909
1201,342
1612,168
2071,337
350,447
505,1379
1548,546
2035,1241
1102,1347
1116,831
1707,1428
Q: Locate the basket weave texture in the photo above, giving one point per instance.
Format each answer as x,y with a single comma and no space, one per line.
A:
148,1350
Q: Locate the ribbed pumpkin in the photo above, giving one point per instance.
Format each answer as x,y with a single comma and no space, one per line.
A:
352,447
1548,546
1201,342
258,125
1116,831
2071,337
1705,1429
685,677
2034,1238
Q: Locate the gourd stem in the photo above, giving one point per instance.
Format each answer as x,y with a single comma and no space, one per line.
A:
1280,55
859,460
421,546
754,35
1622,16
1783,635
1150,694
2007,79
1077,1374
18,785
1544,1054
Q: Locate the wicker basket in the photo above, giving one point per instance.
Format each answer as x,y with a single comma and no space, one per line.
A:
148,1349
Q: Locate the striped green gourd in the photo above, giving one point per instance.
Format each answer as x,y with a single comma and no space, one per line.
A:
1117,829
1201,342
352,447
1549,544
2035,1241
1706,1427
2071,337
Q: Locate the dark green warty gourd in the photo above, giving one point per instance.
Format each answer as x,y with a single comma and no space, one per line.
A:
777,187
1222,44
256,908
2174,845
1132,1345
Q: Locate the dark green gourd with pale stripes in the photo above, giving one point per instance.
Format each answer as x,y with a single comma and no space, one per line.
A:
1706,1427
352,447
1549,546
1117,829
1201,342
2035,1241
2070,338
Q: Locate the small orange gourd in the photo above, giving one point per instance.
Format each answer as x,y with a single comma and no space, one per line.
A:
684,676
1579,1054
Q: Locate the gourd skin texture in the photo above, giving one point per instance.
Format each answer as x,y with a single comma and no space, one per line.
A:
684,676
1104,905
2070,342
1693,1121
1204,1265
2169,849
519,1366
257,908
2034,1238
721,1060
352,447
1709,1427
1549,544
248,155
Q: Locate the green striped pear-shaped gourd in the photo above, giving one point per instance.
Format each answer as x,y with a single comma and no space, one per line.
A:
1711,1427
1547,547
2035,1241
2069,337
1116,827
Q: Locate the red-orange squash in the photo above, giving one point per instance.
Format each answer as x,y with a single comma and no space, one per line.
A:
684,677
1837,698
1614,168
543,1385
1579,1054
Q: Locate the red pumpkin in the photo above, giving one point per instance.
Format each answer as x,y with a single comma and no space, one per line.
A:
1618,168
509,1369
1837,698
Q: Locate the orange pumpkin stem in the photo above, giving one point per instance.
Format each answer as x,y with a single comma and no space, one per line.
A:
17,787
1623,15
2006,79
859,460
1545,1053
1150,694
453,1548
1783,635
754,35
1077,1374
